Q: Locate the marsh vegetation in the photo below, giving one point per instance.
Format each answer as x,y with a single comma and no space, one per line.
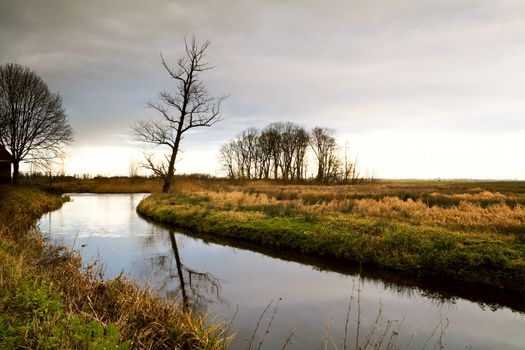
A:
470,232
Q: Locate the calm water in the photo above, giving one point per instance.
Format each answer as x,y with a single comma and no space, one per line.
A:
225,281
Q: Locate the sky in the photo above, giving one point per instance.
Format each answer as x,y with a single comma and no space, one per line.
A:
416,89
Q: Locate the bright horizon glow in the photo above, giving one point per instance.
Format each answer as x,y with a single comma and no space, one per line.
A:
445,155
116,161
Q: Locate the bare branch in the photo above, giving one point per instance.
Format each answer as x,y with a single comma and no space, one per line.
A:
159,169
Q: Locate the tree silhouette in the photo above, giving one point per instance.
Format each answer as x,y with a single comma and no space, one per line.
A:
33,123
188,107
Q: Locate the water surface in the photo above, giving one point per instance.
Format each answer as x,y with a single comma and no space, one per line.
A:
224,282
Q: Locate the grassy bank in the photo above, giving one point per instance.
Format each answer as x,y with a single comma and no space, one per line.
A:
471,232
48,302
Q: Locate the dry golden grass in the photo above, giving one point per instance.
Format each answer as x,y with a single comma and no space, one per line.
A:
472,208
108,185
235,198
466,214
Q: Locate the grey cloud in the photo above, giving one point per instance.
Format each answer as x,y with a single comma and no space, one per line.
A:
353,65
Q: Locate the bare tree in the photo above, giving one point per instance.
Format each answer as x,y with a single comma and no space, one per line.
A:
325,148
350,173
273,133
266,142
33,123
189,106
247,146
301,139
287,149
133,169
227,156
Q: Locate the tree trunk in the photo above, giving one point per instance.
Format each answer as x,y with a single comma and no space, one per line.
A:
171,168
185,300
16,171
169,176
320,172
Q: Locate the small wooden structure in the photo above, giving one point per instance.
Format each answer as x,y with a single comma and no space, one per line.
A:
5,165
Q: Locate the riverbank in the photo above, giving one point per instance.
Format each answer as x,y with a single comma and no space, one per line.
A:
470,233
48,301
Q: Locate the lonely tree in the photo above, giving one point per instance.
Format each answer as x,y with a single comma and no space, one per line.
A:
33,123
188,106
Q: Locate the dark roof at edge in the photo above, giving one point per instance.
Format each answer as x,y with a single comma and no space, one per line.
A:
4,155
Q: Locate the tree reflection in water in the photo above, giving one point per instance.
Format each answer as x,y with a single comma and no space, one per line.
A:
197,289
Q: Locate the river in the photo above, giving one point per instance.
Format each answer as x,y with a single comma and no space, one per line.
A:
306,302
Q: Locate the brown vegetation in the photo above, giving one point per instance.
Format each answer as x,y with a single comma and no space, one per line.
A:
476,208
105,185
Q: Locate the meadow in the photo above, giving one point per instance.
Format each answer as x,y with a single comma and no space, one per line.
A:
470,232
98,184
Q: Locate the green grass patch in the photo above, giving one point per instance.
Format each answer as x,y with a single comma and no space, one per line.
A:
393,243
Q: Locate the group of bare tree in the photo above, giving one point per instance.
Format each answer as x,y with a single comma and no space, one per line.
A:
279,151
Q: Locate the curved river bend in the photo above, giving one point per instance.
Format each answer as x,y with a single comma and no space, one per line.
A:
312,304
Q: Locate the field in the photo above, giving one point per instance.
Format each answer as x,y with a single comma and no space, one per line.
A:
466,231
48,301
68,184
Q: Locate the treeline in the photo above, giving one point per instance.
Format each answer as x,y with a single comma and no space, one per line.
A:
279,151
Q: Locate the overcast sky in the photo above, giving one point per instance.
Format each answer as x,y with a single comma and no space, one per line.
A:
418,89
